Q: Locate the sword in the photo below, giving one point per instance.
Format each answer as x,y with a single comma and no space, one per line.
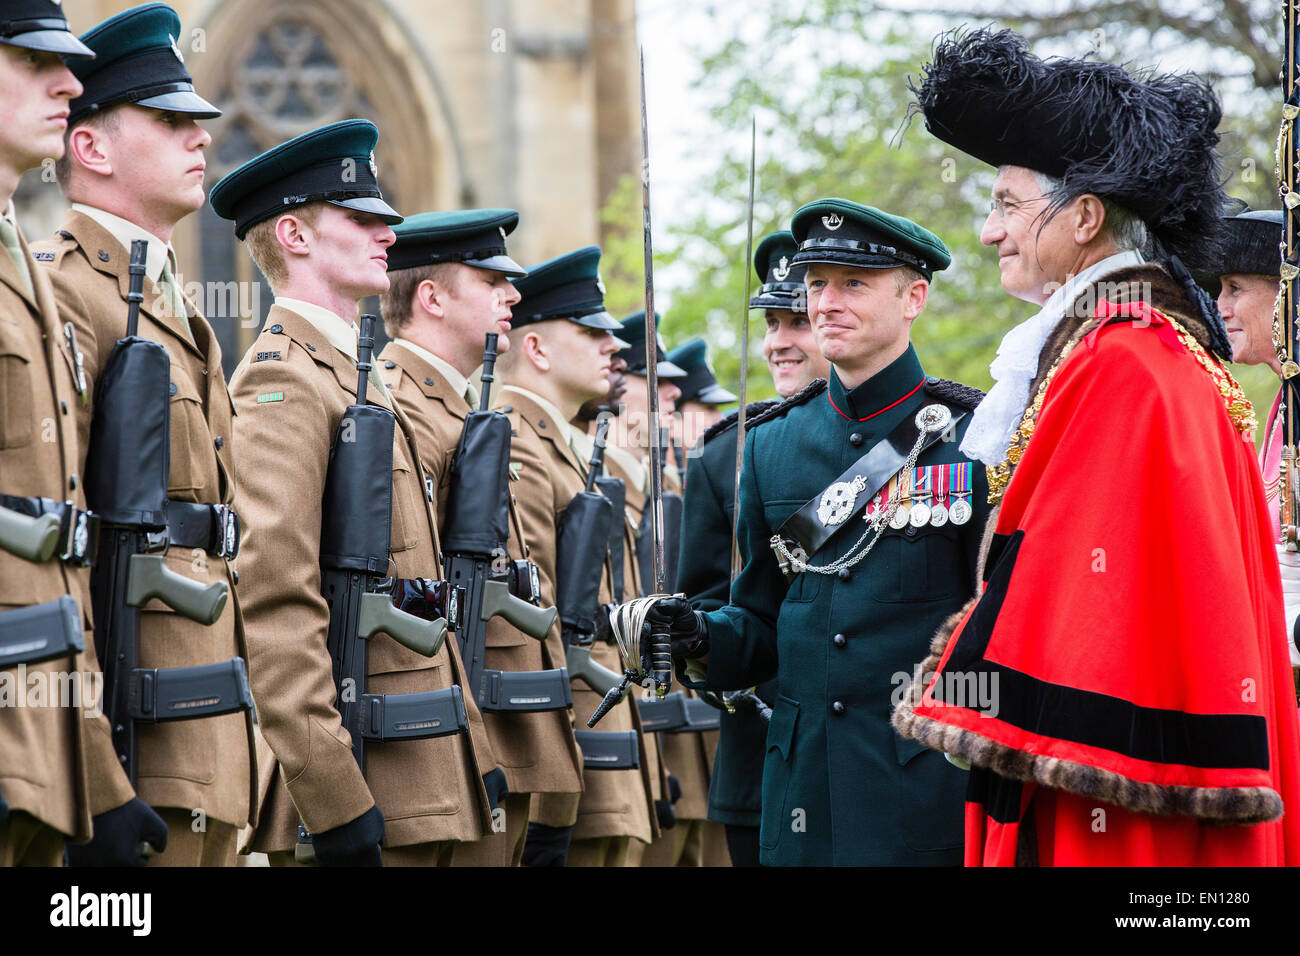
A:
744,359
661,661
1286,309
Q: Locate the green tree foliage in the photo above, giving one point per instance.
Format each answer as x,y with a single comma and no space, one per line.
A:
827,81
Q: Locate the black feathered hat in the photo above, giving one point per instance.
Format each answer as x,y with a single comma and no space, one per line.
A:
1143,140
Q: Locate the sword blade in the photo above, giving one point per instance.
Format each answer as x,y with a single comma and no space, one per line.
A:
656,503
744,357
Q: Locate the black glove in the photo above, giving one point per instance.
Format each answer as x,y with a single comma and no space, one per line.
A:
604,630
546,846
664,811
497,788
356,843
116,837
686,628
674,789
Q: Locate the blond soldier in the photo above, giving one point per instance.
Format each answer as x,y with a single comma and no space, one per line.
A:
322,254
560,358
133,169
450,276
58,769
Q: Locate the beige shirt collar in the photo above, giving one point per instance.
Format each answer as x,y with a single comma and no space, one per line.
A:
124,231
459,383
340,334
636,469
561,424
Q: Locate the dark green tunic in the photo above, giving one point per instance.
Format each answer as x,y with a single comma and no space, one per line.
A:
839,785
704,576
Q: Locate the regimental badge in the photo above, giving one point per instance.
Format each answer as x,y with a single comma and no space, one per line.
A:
374,170
600,284
502,230
176,50
837,501
782,269
833,221
933,418
81,536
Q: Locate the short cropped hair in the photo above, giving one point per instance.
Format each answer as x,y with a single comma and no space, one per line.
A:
395,304
264,247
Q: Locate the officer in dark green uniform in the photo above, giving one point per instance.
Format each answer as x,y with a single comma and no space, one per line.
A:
860,525
704,565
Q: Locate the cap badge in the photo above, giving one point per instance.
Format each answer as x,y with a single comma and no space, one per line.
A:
782,269
176,50
502,230
600,285
833,221
374,170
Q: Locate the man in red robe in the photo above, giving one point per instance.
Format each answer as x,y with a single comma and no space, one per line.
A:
1129,633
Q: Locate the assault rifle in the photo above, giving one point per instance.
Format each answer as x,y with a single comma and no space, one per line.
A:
127,472
474,558
588,529
356,531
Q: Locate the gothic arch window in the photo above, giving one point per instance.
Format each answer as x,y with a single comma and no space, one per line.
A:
280,68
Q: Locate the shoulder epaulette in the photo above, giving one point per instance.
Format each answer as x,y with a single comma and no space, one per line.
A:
751,410
809,391
967,396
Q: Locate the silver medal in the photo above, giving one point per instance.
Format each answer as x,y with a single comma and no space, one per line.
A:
837,501
920,515
902,517
960,511
938,515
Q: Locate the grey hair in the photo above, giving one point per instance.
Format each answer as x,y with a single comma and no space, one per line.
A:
1121,227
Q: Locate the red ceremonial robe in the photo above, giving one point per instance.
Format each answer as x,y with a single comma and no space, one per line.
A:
1130,632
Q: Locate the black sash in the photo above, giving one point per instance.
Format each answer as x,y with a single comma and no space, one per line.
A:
876,467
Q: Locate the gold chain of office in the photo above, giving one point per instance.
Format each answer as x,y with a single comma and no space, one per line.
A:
1234,400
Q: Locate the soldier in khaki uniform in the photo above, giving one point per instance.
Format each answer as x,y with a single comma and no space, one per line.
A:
133,168
450,285
559,358
58,769
322,253
686,756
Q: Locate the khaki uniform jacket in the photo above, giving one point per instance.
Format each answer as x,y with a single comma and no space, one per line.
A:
56,762
290,391
537,751
209,763
687,757
614,802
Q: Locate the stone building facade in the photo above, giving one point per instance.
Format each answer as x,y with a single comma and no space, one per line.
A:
527,104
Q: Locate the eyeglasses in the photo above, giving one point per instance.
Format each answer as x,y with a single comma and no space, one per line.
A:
1000,206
